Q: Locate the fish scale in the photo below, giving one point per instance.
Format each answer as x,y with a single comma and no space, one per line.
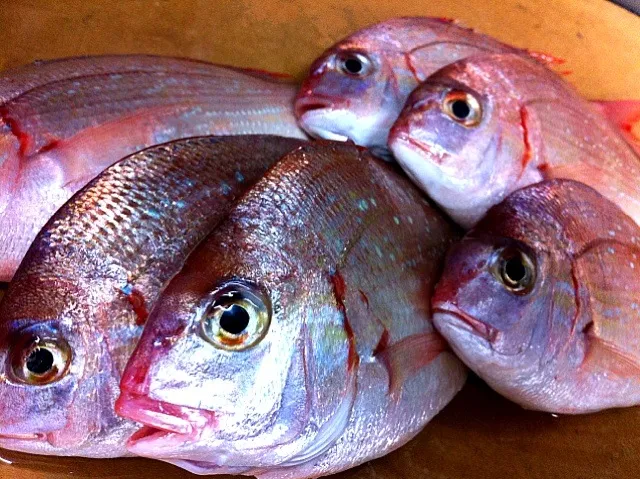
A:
98,266
60,129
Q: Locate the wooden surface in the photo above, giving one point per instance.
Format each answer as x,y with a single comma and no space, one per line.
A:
479,435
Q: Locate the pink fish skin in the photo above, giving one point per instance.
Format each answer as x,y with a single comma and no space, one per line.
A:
76,307
356,89
542,300
485,126
330,259
63,122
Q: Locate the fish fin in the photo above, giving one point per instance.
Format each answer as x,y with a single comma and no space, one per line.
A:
608,357
625,115
607,270
406,357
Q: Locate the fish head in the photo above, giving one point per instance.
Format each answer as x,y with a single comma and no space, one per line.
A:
457,137
227,369
509,301
55,378
356,90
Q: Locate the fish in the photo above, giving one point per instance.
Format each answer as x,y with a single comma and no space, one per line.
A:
357,88
297,339
63,122
76,307
488,125
542,300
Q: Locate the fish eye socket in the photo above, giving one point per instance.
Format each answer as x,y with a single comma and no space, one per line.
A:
515,270
354,64
40,361
462,107
236,317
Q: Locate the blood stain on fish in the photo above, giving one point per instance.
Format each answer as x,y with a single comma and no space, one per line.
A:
24,139
137,301
526,156
339,290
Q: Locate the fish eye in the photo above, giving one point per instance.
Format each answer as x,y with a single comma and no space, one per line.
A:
515,270
40,360
237,316
354,64
462,107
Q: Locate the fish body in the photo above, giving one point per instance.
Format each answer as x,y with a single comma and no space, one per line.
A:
63,122
541,300
485,126
297,341
76,306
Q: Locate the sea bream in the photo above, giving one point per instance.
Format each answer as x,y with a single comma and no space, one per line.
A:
483,127
77,304
297,340
356,89
63,122
542,300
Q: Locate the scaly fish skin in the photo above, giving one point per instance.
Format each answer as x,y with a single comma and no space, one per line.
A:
323,273
63,122
541,299
358,87
485,126
75,309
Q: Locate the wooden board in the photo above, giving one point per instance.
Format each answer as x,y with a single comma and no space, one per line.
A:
479,435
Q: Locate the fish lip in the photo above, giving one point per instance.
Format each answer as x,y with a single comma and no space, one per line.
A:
36,436
429,153
306,104
161,419
489,333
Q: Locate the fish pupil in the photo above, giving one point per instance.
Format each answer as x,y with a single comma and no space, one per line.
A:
40,361
234,320
515,270
353,65
460,109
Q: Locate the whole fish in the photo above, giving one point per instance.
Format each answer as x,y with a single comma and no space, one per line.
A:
542,300
297,340
358,87
485,126
63,122
77,304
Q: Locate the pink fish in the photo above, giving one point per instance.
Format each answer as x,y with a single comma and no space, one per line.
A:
358,87
297,340
63,122
542,300
76,306
485,126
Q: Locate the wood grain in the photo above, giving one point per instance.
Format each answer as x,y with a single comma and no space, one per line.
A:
479,435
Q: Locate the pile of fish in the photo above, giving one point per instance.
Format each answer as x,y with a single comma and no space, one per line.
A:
194,279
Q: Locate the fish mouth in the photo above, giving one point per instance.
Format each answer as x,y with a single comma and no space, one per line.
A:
429,153
161,420
306,104
36,436
489,333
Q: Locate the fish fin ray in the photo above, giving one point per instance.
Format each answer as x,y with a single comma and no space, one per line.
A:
406,357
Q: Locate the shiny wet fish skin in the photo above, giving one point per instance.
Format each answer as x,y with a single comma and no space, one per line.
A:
344,252
92,276
540,299
522,124
394,57
62,122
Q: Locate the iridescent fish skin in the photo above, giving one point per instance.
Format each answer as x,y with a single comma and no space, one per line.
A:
395,56
523,124
342,253
542,300
63,122
87,284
